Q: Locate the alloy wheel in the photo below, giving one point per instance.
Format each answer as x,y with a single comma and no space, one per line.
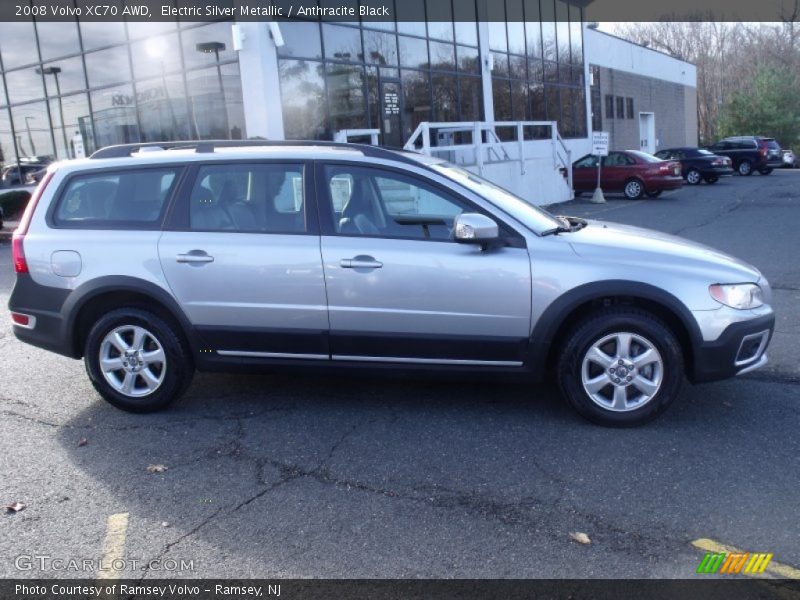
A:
132,360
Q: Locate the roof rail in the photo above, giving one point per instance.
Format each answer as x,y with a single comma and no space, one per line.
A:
202,146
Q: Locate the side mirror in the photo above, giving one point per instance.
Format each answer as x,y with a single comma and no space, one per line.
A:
474,228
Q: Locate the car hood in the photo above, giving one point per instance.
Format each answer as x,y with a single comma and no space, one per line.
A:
637,245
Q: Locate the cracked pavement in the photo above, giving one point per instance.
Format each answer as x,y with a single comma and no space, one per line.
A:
324,476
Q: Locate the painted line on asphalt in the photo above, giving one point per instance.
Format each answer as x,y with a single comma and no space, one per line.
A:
775,568
113,545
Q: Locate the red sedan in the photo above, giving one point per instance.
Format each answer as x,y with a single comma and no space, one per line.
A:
631,172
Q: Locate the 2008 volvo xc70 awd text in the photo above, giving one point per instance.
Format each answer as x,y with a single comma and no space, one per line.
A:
152,261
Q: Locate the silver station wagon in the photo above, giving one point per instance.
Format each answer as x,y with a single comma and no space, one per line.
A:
151,261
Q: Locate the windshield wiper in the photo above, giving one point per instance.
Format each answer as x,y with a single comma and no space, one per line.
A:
568,225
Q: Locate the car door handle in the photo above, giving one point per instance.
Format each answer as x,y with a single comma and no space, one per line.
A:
195,256
360,262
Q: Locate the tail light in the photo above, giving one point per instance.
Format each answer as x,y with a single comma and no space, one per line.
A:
17,251
762,151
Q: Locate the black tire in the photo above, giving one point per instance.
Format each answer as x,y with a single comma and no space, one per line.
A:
766,171
177,368
604,323
576,194
655,194
745,168
711,179
693,177
634,189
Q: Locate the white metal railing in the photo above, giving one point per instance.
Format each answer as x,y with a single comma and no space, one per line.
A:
486,146
344,135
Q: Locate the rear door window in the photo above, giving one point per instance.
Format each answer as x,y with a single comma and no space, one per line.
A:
129,199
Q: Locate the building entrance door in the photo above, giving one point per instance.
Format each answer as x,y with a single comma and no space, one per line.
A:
391,120
647,132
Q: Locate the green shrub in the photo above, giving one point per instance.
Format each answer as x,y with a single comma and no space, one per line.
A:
13,203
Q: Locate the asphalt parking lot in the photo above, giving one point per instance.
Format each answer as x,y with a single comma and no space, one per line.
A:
289,476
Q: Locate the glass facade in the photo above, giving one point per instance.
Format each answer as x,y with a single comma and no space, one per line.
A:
392,76
377,75
67,86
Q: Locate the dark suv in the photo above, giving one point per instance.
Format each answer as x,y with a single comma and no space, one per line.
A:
750,153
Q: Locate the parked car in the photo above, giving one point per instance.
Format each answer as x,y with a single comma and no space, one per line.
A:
632,172
150,265
698,164
789,159
750,153
14,174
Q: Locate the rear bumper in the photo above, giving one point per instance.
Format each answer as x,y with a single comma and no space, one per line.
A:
717,171
740,348
673,182
44,304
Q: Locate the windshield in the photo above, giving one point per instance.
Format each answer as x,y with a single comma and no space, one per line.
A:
537,219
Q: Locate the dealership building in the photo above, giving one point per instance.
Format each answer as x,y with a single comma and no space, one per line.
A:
505,88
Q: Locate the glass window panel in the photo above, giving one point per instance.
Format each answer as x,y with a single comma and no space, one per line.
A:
519,100
548,15
579,100
114,116
440,20
562,33
537,102
161,103
342,43
471,99
412,27
254,198
7,154
301,39
550,72
33,129
445,97
536,70
533,28
498,39
105,67
102,199
576,35
140,29
303,100
468,59
57,39
553,98
515,26
24,84
567,125
416,99
156,55
413,52
501,94
467,33
18,44
373,98
440,30
76,123
346,100
204,46
216,110
500,64
411,17
68,78
97,35
3,101
518,67
443,56
380,48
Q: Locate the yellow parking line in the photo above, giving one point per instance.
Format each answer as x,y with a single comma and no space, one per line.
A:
113,545
773,567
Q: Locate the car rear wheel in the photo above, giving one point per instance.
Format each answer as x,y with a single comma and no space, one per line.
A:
693,177
745,168
766,171
633,189
712,179
620,367
136,361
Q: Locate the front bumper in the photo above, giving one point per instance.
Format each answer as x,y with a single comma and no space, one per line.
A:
740,348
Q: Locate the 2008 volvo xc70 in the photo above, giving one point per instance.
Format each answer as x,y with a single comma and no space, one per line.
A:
153,261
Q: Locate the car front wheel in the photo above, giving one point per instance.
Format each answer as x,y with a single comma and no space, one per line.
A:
137,361
620,367
745,168
693,177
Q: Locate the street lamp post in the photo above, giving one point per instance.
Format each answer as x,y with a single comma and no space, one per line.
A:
54,71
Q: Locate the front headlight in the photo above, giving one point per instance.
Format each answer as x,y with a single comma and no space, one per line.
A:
737,295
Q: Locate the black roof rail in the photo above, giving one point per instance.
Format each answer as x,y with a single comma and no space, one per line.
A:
201,146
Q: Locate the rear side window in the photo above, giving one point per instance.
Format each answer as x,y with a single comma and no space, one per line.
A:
116,199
